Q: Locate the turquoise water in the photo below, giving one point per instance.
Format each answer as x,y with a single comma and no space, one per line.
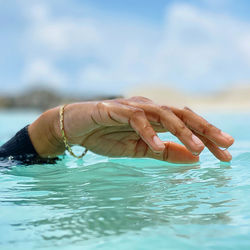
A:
102,203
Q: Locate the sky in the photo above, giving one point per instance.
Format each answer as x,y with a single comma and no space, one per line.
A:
111,46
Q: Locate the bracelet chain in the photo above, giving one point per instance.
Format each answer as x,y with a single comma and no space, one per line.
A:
66,144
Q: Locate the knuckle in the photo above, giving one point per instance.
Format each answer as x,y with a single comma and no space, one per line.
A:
165,108
135,112
181,130
174,132
140,98
182,126
148,130
206,129
181,116
135,115
187,109
100,105
106,104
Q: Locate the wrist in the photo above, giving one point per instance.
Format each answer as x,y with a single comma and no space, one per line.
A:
55,128
45,134
77,122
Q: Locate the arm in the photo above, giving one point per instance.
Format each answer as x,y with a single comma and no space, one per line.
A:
128,127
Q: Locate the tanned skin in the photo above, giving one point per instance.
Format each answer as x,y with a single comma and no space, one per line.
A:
128,128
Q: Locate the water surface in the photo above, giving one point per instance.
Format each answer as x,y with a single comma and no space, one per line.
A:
104,203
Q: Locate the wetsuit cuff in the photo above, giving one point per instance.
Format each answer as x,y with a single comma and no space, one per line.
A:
18,145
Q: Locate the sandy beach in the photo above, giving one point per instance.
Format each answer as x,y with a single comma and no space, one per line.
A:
233,99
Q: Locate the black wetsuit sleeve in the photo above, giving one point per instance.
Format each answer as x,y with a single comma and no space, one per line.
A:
20,144
20,148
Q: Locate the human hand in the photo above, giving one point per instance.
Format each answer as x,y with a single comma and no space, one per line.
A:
128,127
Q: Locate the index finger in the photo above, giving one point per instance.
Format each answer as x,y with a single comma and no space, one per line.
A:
203,127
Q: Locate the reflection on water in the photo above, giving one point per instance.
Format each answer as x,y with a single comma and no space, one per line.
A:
74,201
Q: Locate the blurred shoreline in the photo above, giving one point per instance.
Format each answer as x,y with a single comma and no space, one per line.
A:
233,99
43,99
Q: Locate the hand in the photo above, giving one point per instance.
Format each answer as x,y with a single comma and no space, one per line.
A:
127,127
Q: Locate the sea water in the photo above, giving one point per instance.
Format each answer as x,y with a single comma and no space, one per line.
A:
104,203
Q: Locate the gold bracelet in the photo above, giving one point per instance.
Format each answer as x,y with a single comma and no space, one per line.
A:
66,144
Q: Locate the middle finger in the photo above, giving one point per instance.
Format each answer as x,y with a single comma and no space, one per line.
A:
204,128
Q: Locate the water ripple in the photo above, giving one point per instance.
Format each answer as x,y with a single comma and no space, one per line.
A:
99,202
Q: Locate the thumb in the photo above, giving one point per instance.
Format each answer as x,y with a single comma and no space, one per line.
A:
174,153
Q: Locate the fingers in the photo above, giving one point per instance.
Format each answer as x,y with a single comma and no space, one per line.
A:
170,121
136,118
193,131
177,153
222,155
173,152
202,127
164,116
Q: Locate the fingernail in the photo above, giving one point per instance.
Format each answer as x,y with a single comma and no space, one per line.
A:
227,154
158,142
197,141
226,135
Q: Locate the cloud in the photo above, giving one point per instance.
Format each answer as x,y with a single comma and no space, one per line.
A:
202,48
44,74
194,48
108,52
60,35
